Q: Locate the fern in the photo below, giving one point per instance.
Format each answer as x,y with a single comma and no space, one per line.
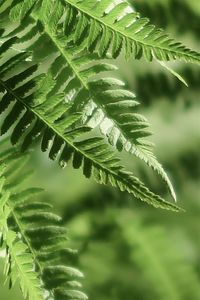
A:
20,263
52,88
113,112
47,110
36,242
100,22
140,38
124,130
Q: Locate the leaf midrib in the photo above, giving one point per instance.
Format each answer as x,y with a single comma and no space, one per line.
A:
35,17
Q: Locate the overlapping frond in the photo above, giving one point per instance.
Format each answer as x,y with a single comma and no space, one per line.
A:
108,105
66,38
35,240
103,102
37,110
113,111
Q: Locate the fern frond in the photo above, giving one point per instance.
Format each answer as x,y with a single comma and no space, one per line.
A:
106,26
113,111
50,117
119,27
104,102
19,261
36,241
20,265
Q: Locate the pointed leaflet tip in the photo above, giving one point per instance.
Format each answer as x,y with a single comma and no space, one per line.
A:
174,73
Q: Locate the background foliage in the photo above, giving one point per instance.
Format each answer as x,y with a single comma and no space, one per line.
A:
128,250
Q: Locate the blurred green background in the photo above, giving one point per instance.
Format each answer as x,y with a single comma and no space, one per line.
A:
128,250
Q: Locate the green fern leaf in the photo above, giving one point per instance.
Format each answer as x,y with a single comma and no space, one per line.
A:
104,26
49,120
35,239
121,25
103,102
109,106
20,263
